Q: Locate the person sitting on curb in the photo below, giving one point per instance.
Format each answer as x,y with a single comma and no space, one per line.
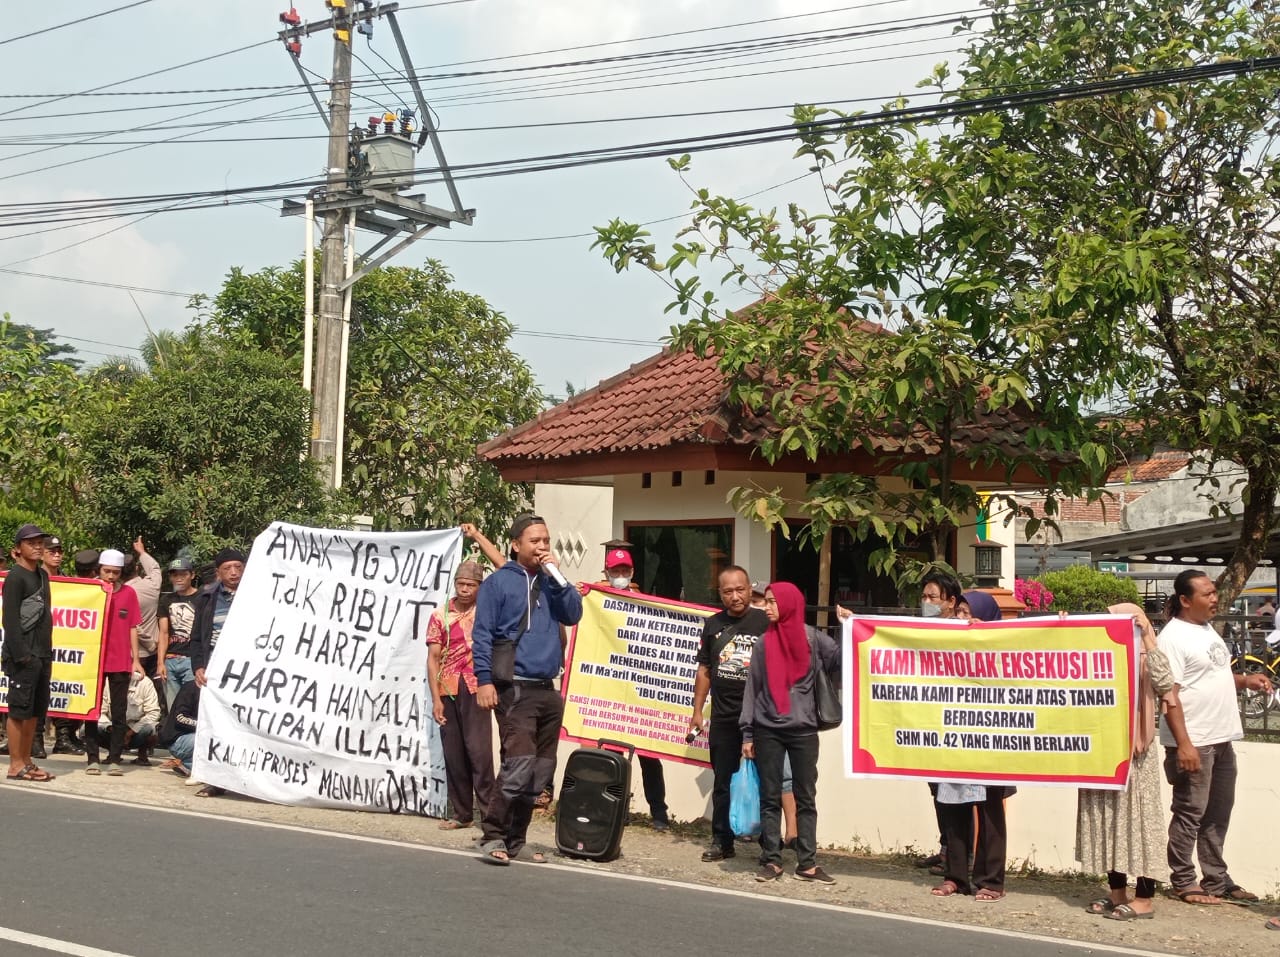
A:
178,735
141,718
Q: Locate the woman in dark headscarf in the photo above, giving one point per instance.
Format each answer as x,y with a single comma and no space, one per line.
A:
780,717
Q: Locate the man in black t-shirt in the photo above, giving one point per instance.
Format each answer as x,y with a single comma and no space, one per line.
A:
27,654
723,659
175,616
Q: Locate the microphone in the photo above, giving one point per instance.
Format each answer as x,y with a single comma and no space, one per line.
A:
551,569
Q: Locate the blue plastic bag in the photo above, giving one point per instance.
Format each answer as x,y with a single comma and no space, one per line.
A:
744,800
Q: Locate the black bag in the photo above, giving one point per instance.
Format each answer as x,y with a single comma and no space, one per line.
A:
502,661
826,699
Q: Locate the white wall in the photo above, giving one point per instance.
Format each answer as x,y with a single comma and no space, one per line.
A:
579,519
884,816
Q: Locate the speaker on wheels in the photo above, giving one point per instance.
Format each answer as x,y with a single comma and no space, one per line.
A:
594,799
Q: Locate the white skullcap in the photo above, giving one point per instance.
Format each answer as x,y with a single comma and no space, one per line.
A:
112,558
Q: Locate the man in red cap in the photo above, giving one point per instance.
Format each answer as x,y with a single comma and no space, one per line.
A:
619,570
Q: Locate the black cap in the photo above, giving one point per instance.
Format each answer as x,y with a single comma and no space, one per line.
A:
53,541
228,555
181,565
86,557
524,521
28,531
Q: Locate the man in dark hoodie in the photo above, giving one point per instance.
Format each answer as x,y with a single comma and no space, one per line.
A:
518,656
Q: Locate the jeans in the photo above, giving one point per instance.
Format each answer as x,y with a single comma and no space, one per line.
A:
529,719
1201,812
178,672
725,742
772,745
184,748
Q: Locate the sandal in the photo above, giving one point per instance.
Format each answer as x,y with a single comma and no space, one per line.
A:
496,856
539,858
208,791
1196,895
1235,894
93,769
1101,907
945,889
30,773
451,825
988,895
1125,912
1273,923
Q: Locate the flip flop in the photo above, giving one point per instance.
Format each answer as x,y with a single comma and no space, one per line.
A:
988,895
31,773
1187,895
945,889
1273,923
20,776
452,825
1101,907
497,857
539,858
1125,912
1235,894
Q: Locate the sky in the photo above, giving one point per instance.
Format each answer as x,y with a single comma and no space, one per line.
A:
578,321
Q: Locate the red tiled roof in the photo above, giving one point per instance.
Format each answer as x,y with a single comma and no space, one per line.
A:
1160,465
675,400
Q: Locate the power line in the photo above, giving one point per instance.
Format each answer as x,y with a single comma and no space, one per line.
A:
951,109
72,23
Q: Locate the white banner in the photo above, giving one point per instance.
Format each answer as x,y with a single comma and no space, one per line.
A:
316,690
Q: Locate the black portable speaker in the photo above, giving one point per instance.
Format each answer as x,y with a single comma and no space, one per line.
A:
594,800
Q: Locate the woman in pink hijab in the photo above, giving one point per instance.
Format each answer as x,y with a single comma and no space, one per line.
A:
779,718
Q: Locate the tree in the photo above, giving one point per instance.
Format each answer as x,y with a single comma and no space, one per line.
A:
1169,196
1065,257
431,377
203,451
40,399
17,333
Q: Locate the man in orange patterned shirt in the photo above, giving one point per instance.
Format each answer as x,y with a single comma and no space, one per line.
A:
466,729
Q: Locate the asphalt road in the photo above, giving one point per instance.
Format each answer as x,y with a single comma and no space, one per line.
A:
138,882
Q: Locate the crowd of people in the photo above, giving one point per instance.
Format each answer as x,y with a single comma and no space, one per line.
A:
156,642
497,648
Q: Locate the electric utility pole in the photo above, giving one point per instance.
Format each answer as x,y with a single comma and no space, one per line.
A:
327,415
366,172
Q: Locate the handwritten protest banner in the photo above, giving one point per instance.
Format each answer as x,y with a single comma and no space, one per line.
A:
316,689
630,673
1024,701
79,614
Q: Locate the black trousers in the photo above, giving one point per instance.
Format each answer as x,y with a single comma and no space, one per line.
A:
467,740
802,747
655,788
118,682
529,720
725,741
989,856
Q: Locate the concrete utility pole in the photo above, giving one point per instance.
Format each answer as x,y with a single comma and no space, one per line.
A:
365,176
327,412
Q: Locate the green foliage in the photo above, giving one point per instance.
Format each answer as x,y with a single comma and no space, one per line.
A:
431,376
1114,254
203,451
1080,588
39,401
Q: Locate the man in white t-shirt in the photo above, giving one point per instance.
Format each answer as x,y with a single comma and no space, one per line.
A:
1197,732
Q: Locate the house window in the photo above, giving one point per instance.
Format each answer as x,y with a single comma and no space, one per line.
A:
646,480
681,560
677,479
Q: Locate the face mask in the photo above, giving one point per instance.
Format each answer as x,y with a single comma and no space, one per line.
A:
929,610
620,581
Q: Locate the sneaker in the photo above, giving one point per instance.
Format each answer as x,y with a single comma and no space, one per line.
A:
769,872
817,874
661,825
192,782
717,853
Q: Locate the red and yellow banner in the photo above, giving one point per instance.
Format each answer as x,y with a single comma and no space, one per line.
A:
630,673
79,616
1024,701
